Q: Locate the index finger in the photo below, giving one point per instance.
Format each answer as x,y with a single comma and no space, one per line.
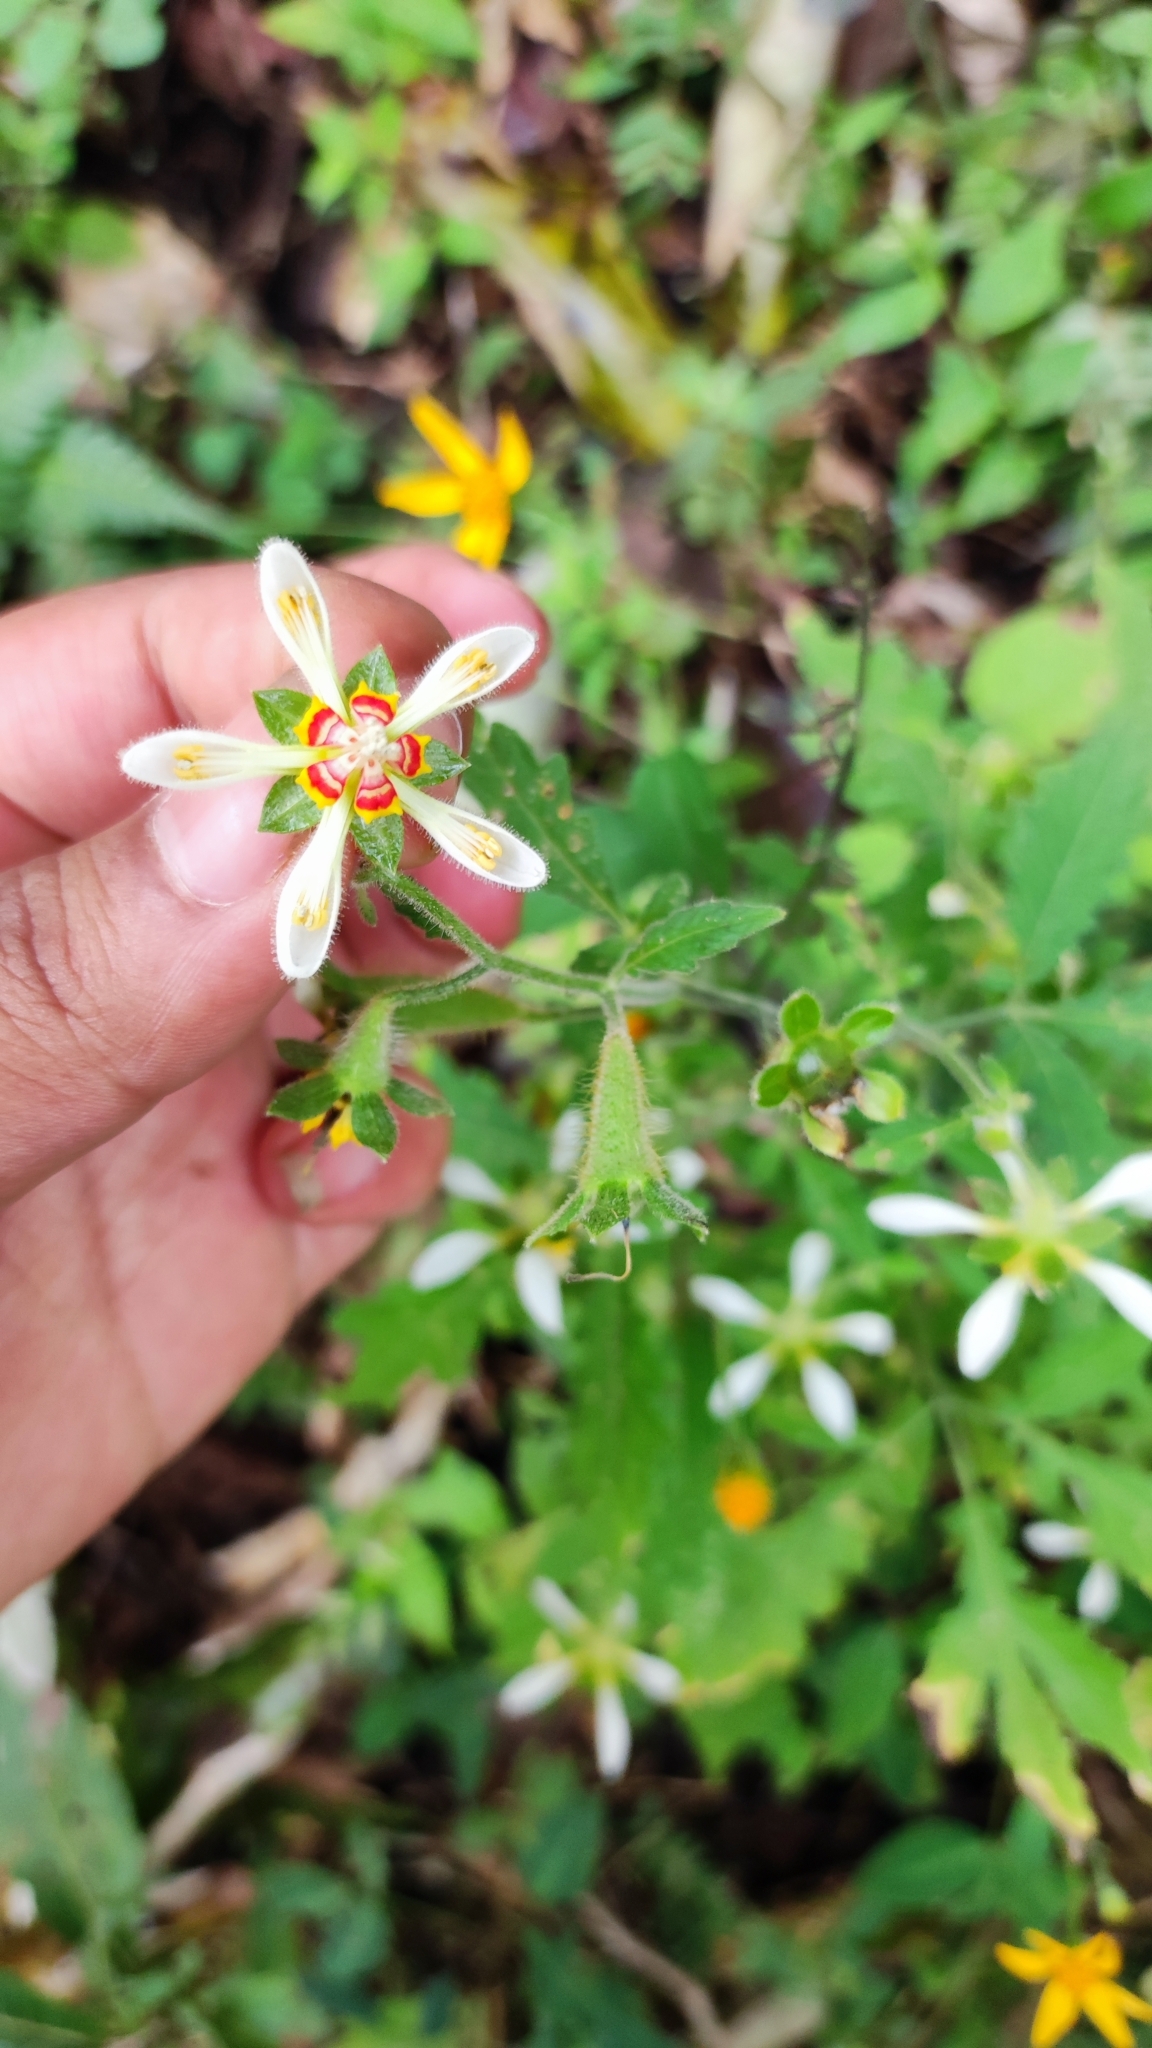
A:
84,674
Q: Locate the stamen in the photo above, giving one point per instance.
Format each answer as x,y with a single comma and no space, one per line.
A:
484,849
299,610
309,914
189,764
472,670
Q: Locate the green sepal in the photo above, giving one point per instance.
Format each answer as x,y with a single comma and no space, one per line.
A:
800,1015
772,1085
373,1124
381,841
665,1200
373,671
866,1022
880,1097
417,1101
303,1099
281,712
306,1055
826,1135
440,764
288,809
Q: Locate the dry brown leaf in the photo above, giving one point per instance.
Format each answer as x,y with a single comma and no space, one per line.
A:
132,311
987,42
542,21
838,479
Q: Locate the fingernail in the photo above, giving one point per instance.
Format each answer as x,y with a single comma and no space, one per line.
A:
210,844
329,1173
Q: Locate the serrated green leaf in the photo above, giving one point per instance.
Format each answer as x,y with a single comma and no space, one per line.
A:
373,1124
42,362
538,803
677,943
95,481
287,808
381,841
299,1100
281,712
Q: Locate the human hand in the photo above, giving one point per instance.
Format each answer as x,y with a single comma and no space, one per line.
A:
161,1232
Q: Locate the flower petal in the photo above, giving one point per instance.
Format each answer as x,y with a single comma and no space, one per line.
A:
484,539
538,1285
1101,2003
464,1178
448,1258
830,1399
1099,1591
298,616
553,1603
432,495
728,1301
470,669
1129,1294
1054,1540
864,1330
925,1216
1023,1962
613,1732
809,1262
567,1141
1056,2014
451,442
741,1385
685,1168
28,1640
185,757
310,899
490,851
655,1676
535,1687
989,1326
513,453
1128,1184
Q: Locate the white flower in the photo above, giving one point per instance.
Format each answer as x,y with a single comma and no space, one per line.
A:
537,1274
598,1658
1098,1596
357,755
797,1336
28,1641
1040,1237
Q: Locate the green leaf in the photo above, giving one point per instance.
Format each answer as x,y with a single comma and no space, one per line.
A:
800,1015
1070,839
399,1332
1041,678
299,1100
888,319
538,803
966,399
773,1085
1122,202
677,943
417,1101
42,362
307,1055
381,841
440,764
128,33
1017,277
467,1015
281,712
866,1023
287,808
373,1124
96,481
456,1494
373,672
1006,475
64,1807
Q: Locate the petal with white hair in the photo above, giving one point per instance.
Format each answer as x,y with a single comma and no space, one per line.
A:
925,1216
464,1178
1098,1596
298,616
535,1687
864,1330
1128,1184
490,851
809,1263
742,1385
448,1258
830,1399
728,1302
1129,1294
989,1326
654,1676
470,669
613,1732
1054,1540
310,899
537,1280
187,758
553,1603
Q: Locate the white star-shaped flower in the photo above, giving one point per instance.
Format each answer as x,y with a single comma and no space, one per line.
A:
1098,1595
1043,1239
796,1335
537,1273
357,754
596,1657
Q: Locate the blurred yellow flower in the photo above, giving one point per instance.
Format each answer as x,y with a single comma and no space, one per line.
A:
339,1131
1076,1981
477,485
744,1499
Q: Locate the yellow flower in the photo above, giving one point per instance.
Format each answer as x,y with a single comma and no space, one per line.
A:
477,485
1076,1981
744,1499
339,1131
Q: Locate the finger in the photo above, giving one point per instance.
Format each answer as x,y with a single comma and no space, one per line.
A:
465,596
331,1185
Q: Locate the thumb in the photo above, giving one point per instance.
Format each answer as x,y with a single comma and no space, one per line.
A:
131,963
